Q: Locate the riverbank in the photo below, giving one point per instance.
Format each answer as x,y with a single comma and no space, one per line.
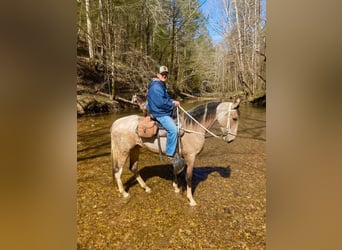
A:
98,103
93,92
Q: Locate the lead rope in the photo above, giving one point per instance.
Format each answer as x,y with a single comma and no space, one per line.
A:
178,129
199,124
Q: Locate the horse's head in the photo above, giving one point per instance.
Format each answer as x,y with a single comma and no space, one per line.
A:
140,100
227,115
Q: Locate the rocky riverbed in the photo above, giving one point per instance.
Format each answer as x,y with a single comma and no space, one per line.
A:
229,185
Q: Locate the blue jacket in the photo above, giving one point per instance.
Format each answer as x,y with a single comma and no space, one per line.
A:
159,103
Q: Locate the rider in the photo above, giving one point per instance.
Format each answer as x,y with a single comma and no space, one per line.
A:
160,106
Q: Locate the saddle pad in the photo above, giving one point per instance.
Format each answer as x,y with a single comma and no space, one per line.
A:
147,128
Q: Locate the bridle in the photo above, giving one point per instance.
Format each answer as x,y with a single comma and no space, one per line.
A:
227,129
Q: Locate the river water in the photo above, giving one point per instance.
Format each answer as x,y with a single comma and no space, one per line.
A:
229,186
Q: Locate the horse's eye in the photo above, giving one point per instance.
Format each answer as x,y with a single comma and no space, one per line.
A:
235,118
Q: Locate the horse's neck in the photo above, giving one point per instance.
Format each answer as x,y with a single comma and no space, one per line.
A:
142,104
140,101
199,128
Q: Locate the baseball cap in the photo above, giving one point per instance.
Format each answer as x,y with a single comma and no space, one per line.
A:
163,69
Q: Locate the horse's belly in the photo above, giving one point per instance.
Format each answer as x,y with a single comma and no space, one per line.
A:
152,145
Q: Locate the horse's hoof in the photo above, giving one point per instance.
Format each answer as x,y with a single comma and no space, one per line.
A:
148,190
125,195
193,203
175,186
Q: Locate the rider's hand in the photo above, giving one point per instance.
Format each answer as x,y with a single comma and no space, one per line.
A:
176,103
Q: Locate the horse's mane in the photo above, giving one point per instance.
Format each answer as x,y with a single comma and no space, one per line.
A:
201,113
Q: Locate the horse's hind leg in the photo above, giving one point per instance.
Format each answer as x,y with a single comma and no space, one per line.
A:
133,166
118,162
117,174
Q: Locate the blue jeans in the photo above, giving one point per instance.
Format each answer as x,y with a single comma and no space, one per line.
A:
171,128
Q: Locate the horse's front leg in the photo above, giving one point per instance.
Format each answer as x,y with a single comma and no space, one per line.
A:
188,179
133,166
175,183
190,160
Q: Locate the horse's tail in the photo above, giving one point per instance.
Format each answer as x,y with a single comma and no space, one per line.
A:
113,156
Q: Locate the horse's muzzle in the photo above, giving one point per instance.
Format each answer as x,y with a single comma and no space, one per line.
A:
229,138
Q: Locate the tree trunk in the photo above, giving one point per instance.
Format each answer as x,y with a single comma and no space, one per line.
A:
89,32
173,36
104,50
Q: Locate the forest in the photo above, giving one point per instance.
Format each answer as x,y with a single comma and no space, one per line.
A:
121,43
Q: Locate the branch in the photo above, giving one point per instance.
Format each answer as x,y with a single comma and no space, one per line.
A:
261,54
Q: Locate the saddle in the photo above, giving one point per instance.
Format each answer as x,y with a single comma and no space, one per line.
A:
150,127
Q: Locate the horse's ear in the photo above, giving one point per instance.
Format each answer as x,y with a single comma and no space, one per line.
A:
236,103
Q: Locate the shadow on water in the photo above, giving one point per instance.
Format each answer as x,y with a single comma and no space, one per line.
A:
200,174
82,158
253,133
105,144
249,129
95,131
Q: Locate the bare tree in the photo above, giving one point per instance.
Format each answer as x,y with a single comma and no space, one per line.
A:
130,38
89,31
241,29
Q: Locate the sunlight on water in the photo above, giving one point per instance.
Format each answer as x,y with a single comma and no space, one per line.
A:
229,184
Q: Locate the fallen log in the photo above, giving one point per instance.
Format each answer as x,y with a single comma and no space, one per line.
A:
90,104
118,98
188,95
104,94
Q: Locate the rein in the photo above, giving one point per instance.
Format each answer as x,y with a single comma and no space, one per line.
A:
207,130
199,124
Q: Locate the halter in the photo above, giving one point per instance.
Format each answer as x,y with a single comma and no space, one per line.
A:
228,128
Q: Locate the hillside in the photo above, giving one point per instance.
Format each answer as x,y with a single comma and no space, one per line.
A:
93,92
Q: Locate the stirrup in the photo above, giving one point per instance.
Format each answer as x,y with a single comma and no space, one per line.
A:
178,164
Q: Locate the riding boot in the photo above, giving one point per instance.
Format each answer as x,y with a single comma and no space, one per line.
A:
178,163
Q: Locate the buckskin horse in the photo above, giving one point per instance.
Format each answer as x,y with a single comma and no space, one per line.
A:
125,141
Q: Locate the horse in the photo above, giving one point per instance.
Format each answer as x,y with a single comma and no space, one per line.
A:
125,142
140,100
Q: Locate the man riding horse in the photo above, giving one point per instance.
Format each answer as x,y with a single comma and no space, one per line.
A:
160,106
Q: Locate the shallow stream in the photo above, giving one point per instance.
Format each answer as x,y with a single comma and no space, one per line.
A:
229,186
